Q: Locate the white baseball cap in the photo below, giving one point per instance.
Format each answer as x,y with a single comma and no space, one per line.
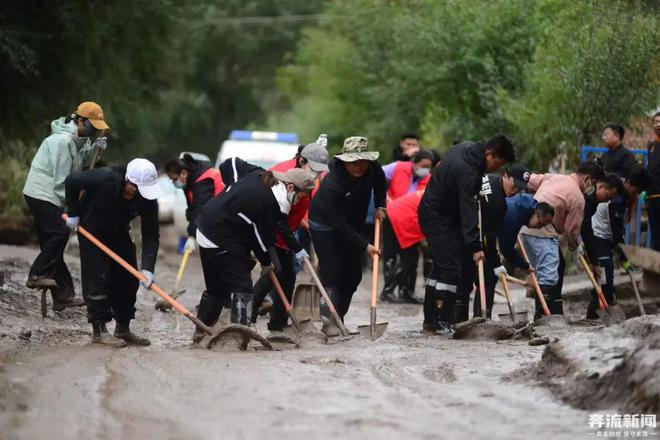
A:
143,173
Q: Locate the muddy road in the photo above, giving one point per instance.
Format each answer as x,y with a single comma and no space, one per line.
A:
53,384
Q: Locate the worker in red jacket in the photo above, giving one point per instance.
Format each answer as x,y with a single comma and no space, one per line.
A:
403,179
200,181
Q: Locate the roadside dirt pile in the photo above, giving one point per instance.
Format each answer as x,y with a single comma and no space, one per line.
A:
613,367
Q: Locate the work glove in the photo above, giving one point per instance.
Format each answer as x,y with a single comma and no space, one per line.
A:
500,270
72,222
101,143
323,140
642,197
626,266
190,245
302,254
146,283
579,250
267,268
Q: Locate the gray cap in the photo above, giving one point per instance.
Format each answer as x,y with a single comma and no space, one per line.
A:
317,156
301,179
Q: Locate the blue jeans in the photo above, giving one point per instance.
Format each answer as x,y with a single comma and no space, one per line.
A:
543,255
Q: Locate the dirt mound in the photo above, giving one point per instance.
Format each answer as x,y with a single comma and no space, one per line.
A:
615,366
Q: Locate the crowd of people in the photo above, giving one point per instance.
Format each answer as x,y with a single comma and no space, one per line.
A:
467,209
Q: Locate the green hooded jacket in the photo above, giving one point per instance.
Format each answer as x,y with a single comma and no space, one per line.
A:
59,155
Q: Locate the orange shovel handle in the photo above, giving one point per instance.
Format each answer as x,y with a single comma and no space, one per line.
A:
176,305
599,291
374,270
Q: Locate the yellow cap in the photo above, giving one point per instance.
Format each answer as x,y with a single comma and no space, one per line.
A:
93,112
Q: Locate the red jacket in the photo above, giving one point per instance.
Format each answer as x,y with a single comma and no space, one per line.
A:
216,178
402,214
298,210
402,179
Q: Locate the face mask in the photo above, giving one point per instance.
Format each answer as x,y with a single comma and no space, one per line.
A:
88,129
179,184
291,197
422,172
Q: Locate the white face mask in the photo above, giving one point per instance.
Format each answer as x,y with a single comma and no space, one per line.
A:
422,172
291,197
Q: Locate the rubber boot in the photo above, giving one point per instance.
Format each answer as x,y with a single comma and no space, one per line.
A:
329,328
430,321
462,309
593,306
60,303
101,336
546,290
444,303
241,308
556,304
208,312
123,331
391,278
407,289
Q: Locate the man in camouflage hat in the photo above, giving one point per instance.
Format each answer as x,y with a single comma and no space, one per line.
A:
337,214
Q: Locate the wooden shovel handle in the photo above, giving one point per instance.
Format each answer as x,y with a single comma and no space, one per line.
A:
376,259
535,281
280,291
133,271
599,292
182,268
505,285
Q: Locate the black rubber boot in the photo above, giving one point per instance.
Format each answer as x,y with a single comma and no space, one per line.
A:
329,328
430,321
208,312
101,336
444,303
462,309
556,304
123,331
546,290
391,278
407,289
241,308
593,306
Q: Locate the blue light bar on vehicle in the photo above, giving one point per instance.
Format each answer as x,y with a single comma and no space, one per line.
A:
248,135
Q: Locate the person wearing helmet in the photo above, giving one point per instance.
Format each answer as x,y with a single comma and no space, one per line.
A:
112,198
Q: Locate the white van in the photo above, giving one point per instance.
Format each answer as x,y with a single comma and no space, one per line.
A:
261,148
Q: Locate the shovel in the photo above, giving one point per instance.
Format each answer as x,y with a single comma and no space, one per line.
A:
163,305
374,331
305,303
299,326
606,312
636,290
330,329
212,334
535,281
482,283
512,318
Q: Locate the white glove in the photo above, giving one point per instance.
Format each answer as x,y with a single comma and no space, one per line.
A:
190,245
579,250
500,270
267,268
323,140
101,143
149,279
72,222
302,254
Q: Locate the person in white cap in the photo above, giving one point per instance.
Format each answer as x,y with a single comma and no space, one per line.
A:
112,198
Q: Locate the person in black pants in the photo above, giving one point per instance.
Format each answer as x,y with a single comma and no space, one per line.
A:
241,220
494,191
337,214
653,198
448,216
113,197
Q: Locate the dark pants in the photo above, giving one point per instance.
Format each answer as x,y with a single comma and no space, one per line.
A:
654,222
399,265
339,267
108,288
470,282
227,269
53,235
283,260
604,250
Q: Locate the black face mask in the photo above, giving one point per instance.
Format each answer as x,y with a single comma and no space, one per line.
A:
88,129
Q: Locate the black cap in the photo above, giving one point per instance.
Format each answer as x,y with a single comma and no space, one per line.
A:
520,174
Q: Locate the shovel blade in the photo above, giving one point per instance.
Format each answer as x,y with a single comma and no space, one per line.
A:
372,332
306,303
613,315
520,317
244,333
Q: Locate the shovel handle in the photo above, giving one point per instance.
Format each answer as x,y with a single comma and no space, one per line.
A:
507,295
535,280
515,280
182,267
376,259
482,289
287,304
594,282
326,297
636,290
133,271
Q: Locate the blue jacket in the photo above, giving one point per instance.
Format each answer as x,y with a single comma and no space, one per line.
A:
520,209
